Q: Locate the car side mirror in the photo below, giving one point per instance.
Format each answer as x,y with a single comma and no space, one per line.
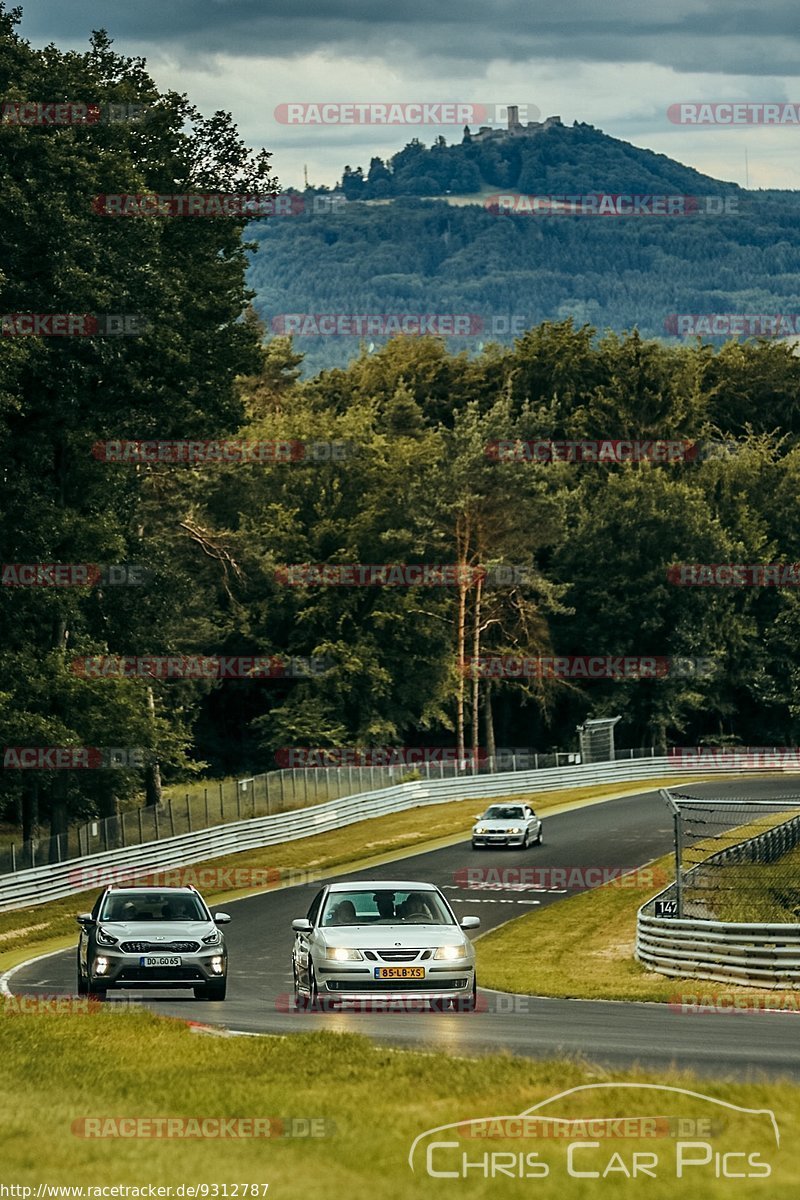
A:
301,925
85,919
478,816
470,922
221,919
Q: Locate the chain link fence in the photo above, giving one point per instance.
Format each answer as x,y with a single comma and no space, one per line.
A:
736,860
216,802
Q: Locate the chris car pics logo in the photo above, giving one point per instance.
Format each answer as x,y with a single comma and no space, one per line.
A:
614,1131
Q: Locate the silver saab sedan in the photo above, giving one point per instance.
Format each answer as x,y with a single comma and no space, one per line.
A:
373,940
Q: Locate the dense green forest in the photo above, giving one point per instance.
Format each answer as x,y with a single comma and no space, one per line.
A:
514,270
594,542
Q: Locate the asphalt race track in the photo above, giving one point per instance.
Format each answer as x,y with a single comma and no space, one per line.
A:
617,834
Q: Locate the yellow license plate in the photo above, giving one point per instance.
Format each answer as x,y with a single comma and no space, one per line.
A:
399,972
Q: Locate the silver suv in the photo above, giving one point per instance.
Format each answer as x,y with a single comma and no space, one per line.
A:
142,937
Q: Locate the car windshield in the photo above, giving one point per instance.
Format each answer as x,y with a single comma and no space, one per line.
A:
500,812
152,906
385,907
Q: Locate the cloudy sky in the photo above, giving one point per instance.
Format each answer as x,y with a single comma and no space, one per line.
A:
617,66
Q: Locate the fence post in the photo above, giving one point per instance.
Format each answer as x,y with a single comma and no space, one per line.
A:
155,822
238,798
305,788
13,859
221,801
266,789
121,827
188,813
141,835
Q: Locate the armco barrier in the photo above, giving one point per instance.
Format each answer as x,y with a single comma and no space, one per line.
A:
730,952
57,880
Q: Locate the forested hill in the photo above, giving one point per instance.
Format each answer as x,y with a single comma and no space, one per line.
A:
555,159
402,250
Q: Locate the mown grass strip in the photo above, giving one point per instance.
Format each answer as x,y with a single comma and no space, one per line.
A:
59,1070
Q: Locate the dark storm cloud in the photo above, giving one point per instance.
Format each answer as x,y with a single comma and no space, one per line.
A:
730,36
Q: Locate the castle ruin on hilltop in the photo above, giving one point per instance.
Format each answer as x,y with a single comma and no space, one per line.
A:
515,128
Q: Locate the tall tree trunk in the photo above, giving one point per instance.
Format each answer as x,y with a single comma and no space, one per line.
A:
152,773
491,748
30,809
58,815
476,682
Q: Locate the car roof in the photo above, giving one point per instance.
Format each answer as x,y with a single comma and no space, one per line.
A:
152,887
379,885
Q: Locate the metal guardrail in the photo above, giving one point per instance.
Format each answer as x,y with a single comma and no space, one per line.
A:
58,880
217,802
732,952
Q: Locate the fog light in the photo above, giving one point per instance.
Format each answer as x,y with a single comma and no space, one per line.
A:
100,966
216,964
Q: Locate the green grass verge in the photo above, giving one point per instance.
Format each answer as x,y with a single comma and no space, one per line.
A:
61,1069
45,927
583,947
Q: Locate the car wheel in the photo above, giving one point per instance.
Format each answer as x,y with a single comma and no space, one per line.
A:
83,984
99,991
313,990
469,1003
300,999
211,991
475,846
539,837
525,841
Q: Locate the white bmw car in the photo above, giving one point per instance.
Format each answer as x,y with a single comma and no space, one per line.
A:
372,940
507,825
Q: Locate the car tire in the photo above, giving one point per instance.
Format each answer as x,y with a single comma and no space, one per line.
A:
525,842
475,846
539,837
313,990
98,991
469,1003
83,984
300,1000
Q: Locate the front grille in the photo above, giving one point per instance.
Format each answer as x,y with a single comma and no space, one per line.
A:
398,956
156,974
160,947
395,985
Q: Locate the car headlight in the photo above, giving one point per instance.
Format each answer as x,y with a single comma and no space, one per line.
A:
479,829
516,829
105,939
450,953
343,954
213,939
